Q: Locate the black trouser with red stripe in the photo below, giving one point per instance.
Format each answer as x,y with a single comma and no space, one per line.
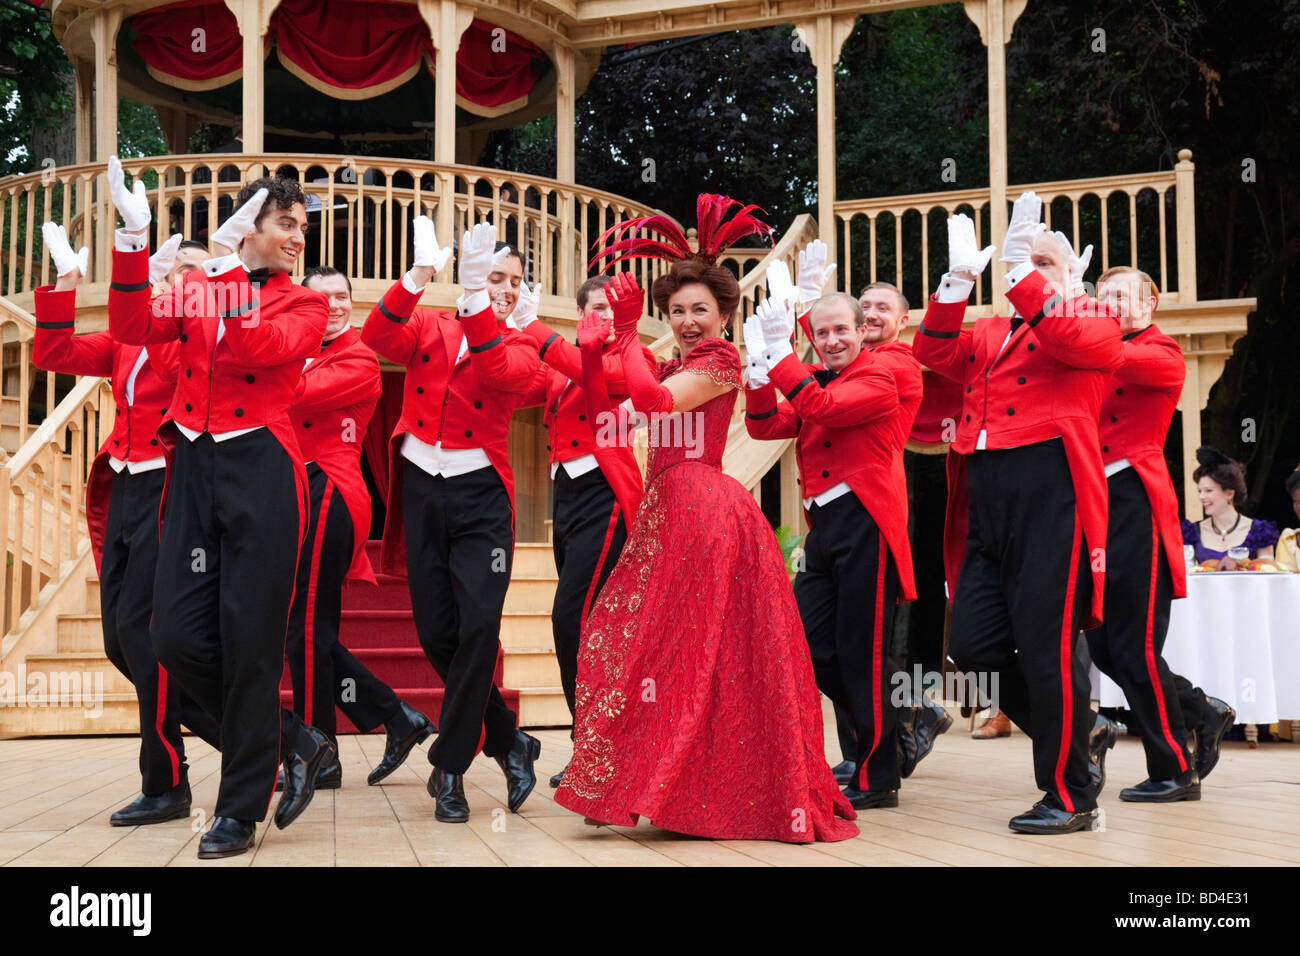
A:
126,575
847,594
222,592
1126,647
1022,596
590,532
337,676
460,542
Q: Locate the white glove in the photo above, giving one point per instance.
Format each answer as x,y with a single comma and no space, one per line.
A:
755,346
477,258
1026,216
427,252
235,229
1077,265
813,272
776,319
780,287
525,313
65,260
161,262
963,254
132,203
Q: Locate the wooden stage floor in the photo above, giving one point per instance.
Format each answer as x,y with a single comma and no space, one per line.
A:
56,796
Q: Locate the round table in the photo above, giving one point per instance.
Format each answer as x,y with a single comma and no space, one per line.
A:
1236,636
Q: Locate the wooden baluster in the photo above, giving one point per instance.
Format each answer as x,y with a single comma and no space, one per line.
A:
30,238
1105,233
47,196
1163,278
1133,229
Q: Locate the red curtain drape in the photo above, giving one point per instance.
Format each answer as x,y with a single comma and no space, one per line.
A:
494,69
193,45
348,49
382,422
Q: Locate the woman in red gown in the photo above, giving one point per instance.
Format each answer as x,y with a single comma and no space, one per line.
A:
696,704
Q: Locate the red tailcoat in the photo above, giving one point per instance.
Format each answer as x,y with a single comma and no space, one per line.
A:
558,389
135,431
1046,382
340,388
1140,401
250,377
463,404
853,431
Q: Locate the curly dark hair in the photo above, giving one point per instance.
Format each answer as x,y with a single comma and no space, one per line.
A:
282,193
1292,483
721,283
1228,473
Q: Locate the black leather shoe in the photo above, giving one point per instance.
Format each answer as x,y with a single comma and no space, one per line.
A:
169,805
559,777
844,772
330,776
870,799
404,732
300,776
1101,738
1046,817
1210,737
226,837
1186,786
518,768
931,721
448,792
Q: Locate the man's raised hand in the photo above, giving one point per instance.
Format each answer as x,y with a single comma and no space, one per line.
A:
65,260
239,226
1026,223
478,255
779,284
814,274
776,319
1076,265
965,258
525,313
427,252
132,204
161,262
755,347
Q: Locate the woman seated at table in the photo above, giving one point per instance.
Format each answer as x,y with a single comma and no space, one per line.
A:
1221,485
1288,548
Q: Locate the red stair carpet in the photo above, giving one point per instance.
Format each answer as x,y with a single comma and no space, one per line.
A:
377,628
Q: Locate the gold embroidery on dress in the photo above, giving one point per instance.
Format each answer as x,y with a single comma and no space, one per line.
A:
594,768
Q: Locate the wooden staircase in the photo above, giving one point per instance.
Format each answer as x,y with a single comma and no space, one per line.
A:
83,693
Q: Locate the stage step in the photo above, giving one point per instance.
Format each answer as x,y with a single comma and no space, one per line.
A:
80,632
84,673
531,667
543,707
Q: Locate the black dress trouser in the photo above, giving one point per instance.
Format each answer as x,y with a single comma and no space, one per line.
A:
589,530
1127,646
459,548
1022,596
337,677
126,580
221,599
847,594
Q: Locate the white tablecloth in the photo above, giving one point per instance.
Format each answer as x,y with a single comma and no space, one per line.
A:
1237,637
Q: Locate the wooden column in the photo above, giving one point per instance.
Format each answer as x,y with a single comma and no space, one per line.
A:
446,20
104,31
996,19
84,86
824,36
254,19
1185,200
570,258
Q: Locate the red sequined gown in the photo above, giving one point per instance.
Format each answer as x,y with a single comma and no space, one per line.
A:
696,704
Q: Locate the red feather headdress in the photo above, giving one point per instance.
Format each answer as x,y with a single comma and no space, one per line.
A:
714,235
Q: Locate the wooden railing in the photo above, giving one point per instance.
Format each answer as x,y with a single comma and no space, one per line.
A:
359,213
1145,220
17,329
42,496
